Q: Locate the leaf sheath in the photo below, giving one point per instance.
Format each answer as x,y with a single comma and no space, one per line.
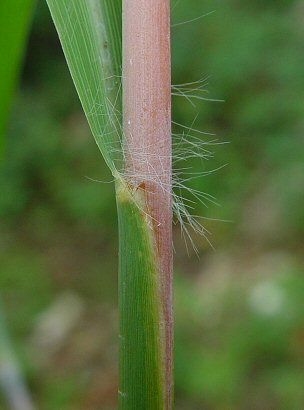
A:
141,353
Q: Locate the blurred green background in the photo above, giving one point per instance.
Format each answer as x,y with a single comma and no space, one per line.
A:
239,310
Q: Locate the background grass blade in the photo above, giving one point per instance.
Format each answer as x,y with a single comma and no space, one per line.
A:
90,34
12,383
14,22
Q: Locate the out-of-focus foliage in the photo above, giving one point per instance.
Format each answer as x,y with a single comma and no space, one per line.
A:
14,22
243,348
239,310
253,54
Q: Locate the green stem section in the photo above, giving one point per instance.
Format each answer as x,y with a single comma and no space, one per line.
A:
141,352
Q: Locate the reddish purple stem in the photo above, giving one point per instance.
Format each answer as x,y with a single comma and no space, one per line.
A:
147,139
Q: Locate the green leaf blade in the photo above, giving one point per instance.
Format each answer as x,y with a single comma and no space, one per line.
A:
90,34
